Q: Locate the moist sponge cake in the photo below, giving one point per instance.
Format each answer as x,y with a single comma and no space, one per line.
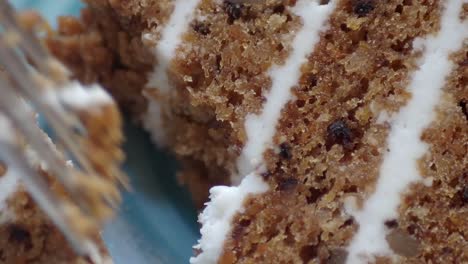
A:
336,129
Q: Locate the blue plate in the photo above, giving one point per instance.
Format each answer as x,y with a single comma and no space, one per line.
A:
157,221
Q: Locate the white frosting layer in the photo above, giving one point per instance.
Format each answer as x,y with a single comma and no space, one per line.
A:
227,201
165,50
261,128
171,37
79,96
217,216
152,122
400,164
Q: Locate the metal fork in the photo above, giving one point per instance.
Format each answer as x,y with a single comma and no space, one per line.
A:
38,82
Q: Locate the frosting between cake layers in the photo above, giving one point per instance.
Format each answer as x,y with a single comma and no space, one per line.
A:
152,122
78,96
261,128
165,51
171,37
227,201
216,219
400,164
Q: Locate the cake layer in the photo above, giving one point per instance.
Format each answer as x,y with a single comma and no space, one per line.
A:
331,152
323,182
206,135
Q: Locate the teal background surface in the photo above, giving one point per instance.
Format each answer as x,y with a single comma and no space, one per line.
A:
157,221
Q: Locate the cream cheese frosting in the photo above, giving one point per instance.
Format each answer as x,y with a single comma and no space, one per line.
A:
165,51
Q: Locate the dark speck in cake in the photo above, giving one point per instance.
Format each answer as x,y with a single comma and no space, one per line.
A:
287,184
465,61
391,223
233,10
88,259
240,228
465,195
266,175
201,28
348,222
279,9
339,132
464,109
314,195
363,7
19,235
285,151
308,253
312,81
447,250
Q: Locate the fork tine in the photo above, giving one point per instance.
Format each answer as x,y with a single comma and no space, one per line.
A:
31,87
31,45
43,85
9,104
39,190
64,125
15,68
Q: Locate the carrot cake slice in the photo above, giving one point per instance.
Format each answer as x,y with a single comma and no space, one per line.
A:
334,131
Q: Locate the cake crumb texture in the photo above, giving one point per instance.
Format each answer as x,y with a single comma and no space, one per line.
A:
332,137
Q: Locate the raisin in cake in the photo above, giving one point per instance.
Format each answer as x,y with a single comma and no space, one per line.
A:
337,130
28,234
